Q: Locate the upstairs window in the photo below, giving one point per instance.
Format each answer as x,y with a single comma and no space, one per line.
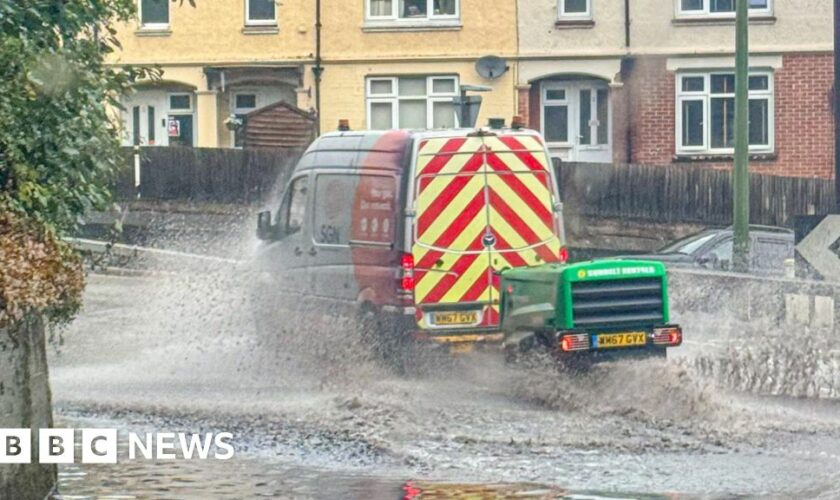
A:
417,10
723,8
706,113
574,9
260,12
154,13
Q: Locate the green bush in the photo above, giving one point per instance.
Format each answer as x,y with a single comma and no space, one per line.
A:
59,148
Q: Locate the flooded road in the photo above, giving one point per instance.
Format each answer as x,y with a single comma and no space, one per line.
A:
177,352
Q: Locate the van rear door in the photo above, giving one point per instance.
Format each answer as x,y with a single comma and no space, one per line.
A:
521,218
452,264
481,204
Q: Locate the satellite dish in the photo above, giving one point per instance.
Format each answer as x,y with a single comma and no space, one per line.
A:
491,67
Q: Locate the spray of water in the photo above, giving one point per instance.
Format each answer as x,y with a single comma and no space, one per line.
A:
206,345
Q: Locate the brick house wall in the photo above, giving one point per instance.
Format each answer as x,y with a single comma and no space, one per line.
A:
804,129
644,114
804,118
534,107
650,90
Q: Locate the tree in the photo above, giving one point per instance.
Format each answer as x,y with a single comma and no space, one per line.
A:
59,149
59,146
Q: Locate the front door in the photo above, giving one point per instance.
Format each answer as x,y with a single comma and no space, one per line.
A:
146,125
576,120
145,115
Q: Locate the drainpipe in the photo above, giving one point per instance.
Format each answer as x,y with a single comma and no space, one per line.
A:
318,69
626,67
627,23
837,105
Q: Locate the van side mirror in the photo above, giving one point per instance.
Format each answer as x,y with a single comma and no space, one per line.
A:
265,230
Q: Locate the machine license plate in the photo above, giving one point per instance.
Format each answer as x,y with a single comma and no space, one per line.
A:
627,339
455,318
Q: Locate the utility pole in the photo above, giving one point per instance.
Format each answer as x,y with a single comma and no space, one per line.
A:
741,178
837,105
318,69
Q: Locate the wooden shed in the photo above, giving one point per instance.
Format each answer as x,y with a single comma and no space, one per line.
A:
279,125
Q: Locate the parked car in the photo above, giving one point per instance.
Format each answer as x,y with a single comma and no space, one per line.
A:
770,247
409,229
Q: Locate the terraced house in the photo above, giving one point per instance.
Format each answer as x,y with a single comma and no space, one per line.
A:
382,64
652,81
642,81
220,58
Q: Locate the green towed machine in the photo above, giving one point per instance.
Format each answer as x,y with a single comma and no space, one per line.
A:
589,310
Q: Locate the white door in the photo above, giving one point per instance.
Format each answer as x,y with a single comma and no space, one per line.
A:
577,120
145,120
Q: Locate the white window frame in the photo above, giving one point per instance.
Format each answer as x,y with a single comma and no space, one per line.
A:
430,15
393,98
259,22
707,12
153,26
706,96
545,102
242,111
563,16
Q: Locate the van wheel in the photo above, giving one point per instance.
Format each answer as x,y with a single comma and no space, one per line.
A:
524,351
382,340
392,347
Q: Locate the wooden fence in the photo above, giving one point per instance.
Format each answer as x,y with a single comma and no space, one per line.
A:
206,174
658,194
686,194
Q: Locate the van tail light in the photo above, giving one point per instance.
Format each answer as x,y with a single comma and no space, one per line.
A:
407,272
564,255
668,336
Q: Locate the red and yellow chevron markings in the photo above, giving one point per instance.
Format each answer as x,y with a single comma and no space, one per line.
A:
467,188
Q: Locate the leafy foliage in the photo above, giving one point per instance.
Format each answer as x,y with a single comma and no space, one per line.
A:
59,144
37,272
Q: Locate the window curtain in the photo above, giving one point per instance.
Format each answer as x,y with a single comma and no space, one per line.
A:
445,7
413,8
380,7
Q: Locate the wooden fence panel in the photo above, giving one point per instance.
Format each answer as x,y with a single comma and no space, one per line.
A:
686,194
206,174
679,193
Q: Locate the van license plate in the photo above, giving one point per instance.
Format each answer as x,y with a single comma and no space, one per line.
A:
455,318
628,339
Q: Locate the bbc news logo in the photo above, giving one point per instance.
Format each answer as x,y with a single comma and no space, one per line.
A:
99,446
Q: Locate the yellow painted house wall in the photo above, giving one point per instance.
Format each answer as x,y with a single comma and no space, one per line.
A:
487,27
352,51
344,89
213,33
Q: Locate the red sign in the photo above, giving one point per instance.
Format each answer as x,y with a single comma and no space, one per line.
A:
173,127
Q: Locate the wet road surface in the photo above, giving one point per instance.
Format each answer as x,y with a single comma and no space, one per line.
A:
175,352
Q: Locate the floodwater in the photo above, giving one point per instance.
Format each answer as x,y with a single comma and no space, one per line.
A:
179,352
